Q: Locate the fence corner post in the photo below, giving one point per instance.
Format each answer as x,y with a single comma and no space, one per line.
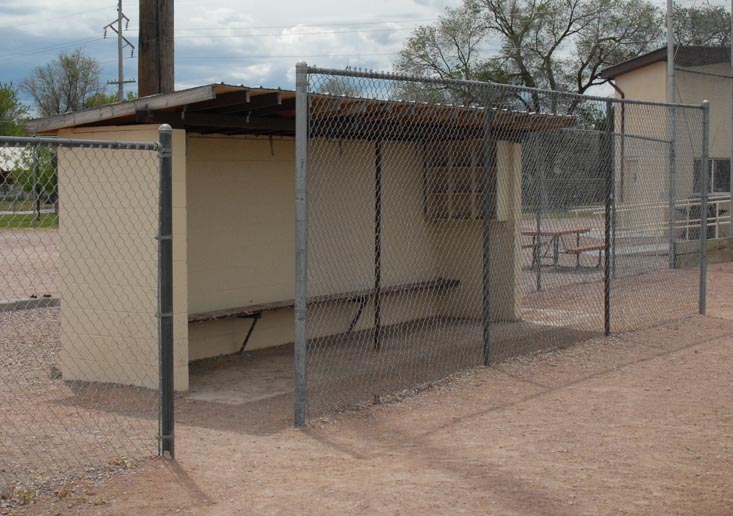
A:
704,206
301,244
608,215
486,204
165,293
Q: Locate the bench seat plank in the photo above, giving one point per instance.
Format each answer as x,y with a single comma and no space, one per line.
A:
578,250
355,295
582,249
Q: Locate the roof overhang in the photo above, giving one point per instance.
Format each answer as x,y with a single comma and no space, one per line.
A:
360,118
687,56
236,110
212,108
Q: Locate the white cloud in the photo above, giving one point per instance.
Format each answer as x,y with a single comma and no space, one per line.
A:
219,40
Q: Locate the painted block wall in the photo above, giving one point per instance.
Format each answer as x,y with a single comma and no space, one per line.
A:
241,237
646,168
108,259
459,245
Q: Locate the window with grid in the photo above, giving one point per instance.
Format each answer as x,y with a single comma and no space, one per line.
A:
718,176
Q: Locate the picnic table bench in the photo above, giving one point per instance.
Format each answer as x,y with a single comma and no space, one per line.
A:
361,296
556,237
578,250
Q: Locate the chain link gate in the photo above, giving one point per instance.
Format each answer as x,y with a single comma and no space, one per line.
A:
83,293
442,225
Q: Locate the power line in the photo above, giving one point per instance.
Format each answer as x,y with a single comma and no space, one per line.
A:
290,56
280,34
46,49
334,24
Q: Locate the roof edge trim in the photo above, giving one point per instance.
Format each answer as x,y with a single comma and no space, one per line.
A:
121,109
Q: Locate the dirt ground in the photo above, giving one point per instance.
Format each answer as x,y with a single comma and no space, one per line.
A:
28,263
640,423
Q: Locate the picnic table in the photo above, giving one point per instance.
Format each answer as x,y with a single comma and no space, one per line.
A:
554,237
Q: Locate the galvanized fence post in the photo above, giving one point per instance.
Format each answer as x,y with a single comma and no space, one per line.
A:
672,184
610,171
165,292
704,206
486,175
541,205
377,244
301,242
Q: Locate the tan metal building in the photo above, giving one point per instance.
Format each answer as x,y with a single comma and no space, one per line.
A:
701,73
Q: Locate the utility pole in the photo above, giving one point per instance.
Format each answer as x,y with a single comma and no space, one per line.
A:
122,42
155,58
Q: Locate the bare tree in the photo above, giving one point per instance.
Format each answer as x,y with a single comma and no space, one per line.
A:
555,44
627,29
705,25
450,49
65,84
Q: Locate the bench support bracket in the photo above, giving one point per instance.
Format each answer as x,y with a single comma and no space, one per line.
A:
255,317
362,305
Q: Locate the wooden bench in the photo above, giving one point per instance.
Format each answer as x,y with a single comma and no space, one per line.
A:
362,297
578,250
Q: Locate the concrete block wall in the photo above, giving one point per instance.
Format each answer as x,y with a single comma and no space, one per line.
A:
108,260
241,237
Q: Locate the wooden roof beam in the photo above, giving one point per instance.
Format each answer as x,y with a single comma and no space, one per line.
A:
239,101
179,119
222,101
172,118
286,105
266,100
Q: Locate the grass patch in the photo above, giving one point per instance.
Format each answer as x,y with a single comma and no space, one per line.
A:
22,205
46,220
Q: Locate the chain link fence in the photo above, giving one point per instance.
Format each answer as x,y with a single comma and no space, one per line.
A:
79,319
443,225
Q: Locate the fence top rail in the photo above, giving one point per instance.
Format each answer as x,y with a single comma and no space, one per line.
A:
69,142
394,76
679,203
617,135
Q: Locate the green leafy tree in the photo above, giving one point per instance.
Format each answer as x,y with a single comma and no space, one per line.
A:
34,171
12,111
102,98
65,84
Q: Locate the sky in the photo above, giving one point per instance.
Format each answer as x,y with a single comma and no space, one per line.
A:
231,41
